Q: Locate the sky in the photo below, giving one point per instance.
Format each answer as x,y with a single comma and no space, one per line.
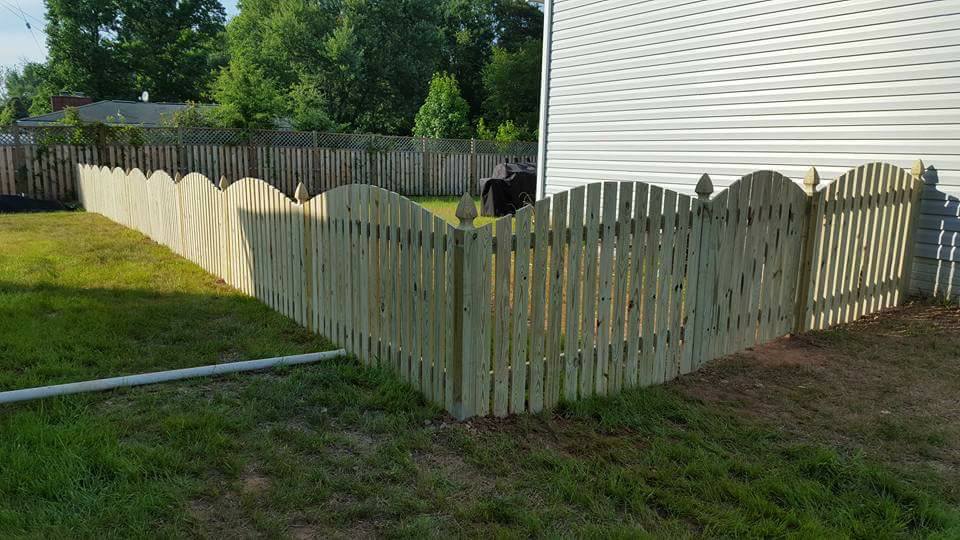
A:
19,44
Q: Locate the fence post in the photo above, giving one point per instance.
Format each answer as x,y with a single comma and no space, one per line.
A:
253,167
20,182
181,167
462,367
474,173
695,332
804,285
906,265
101,142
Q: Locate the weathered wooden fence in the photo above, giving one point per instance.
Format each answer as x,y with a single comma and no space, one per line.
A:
41,165
605,287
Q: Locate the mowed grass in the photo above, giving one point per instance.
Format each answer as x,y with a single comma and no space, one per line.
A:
446,207
338,450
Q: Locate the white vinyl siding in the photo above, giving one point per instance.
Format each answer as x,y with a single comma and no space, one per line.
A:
663,91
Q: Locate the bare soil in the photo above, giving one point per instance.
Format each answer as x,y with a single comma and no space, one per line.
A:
887,386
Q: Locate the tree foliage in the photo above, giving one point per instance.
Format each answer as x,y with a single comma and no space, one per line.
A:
114,49
365,65
444,114
345,65
25,91
512,84
247,97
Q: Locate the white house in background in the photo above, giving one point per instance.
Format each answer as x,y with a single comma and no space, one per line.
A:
665,90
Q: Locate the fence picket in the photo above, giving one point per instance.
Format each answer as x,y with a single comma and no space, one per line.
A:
588,325
521,302
538,304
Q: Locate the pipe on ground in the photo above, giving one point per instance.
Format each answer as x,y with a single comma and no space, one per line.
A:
28,394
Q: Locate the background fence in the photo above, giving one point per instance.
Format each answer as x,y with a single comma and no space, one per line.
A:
601,288
41,162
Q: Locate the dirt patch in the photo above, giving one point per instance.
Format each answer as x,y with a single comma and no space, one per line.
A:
254,483
886,385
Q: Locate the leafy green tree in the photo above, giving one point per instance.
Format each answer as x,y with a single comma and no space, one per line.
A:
247,98
29,85
467,34
364,64
193,115
379,82
116,48
512,84
444,114
310,107
471,28
169,47
506,132
7,116
517,23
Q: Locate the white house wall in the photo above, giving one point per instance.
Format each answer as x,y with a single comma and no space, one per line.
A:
665,90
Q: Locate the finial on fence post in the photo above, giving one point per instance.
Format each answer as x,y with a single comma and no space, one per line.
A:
301,194
177,178
224,184
466,211
918,168
811,181
704,187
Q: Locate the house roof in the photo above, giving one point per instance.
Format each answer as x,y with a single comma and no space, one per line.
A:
113,112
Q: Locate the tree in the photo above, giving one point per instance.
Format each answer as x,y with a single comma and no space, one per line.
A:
512,84
363,64
116,48
470,30
444,114
380,56
193,115
29,86
309,107
169,47
468,34
247,97
7,115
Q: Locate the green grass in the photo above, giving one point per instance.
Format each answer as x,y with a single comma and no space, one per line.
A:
344,451
446,207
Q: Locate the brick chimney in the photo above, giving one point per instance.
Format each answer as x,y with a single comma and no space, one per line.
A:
58,103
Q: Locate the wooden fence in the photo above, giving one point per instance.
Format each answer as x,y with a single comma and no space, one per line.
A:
50,171
605,287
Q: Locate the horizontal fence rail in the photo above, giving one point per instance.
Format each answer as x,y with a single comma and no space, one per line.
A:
605,287
41,162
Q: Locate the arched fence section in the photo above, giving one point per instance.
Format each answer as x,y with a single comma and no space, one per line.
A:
605,287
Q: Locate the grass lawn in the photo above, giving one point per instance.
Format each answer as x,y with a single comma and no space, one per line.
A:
446,207
847,433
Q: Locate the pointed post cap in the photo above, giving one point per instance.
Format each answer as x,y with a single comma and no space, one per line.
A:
224,184
178,177
811,180
466,211
301,193
704,186
918,168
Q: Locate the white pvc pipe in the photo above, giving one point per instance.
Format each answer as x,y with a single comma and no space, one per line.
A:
28,394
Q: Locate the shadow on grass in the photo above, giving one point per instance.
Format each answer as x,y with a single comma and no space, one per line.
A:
54,334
